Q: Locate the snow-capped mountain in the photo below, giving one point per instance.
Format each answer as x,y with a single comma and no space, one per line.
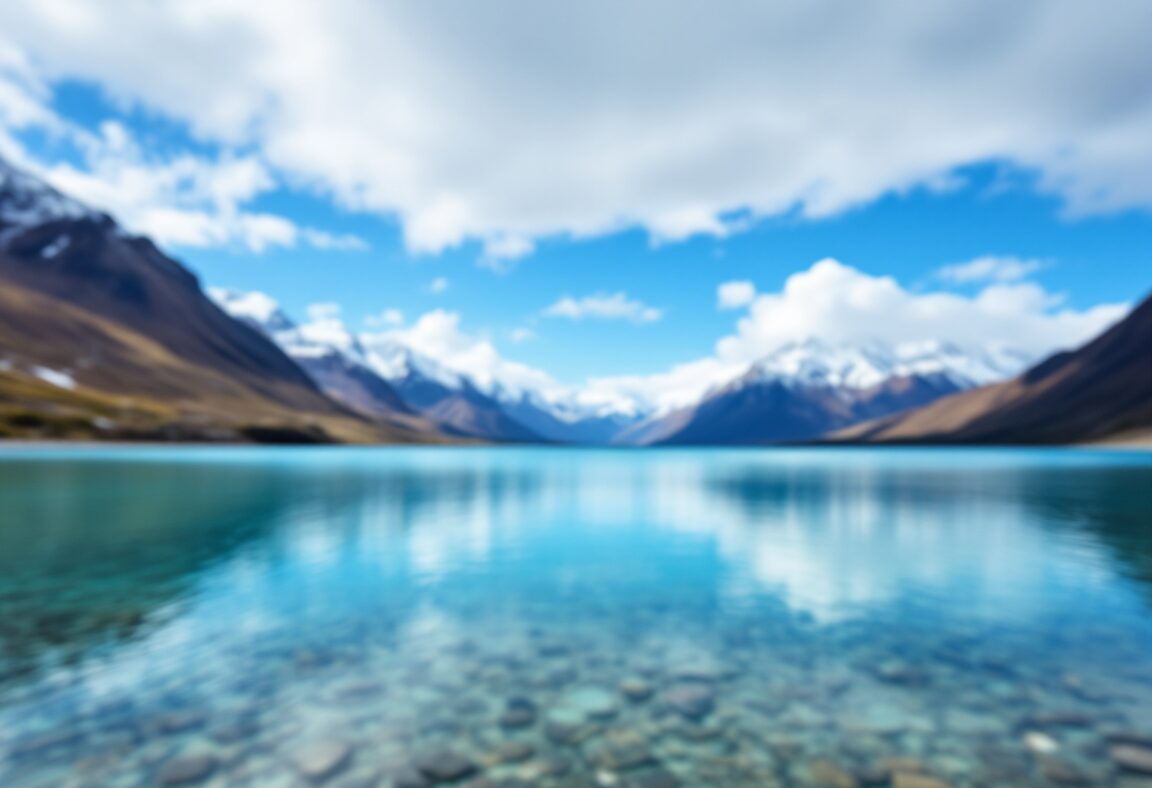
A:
103,316
805,389
26,201
798,392
378,375
814,362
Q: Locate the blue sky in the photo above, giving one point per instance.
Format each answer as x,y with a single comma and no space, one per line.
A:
491,164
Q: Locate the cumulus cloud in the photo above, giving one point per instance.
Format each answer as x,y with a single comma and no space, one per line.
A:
505,123
991,268
604,306
733,295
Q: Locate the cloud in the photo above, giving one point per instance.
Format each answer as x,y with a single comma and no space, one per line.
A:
733,295
991,268
521,334
438,335
438,285
389,317
604,306
505,124
185,200
838,303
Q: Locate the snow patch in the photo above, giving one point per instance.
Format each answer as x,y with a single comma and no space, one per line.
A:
56,247
55,377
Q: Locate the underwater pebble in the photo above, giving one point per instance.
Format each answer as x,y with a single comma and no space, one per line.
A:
694,701
319,759
829,774
519,713
911,780
636,689
1041,743
187,769
620,750
1132,757
595,702
514,751
444,765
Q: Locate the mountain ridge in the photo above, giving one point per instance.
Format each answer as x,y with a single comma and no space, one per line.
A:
1099,390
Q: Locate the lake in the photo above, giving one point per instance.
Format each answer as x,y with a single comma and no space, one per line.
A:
411,617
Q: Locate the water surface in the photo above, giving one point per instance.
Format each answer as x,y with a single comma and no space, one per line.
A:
376,617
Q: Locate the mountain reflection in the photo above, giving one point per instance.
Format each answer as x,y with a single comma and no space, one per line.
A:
99,553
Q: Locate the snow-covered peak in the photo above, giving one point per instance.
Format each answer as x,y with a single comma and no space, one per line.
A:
255,308
26,201
814,362
393,360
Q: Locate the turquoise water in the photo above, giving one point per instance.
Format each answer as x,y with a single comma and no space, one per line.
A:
377,617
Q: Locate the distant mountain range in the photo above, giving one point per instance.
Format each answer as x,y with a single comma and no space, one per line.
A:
103,336
1101,391
806,389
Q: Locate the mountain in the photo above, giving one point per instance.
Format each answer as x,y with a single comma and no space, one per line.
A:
102,335
379,378
332,357
1102,390
565,422
808,388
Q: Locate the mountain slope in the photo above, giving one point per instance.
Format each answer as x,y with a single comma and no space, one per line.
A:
1098,391
91,309
805,389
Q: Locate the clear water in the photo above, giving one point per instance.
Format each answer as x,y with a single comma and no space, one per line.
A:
375,617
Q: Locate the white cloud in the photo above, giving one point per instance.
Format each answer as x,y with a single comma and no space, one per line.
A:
838,303
991,268
505,123
437,334
389,317
184,200
438,285
521,334
604,306
733,295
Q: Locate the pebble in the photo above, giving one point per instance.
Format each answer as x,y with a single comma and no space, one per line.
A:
621,750
519,713
181,721
595,702
187,769
514,751
1062,772
1132,757
652,778
694,701
636,690
828,774
319,759
444,765
1040,743
913,780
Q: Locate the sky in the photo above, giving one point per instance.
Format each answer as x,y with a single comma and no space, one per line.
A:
622,201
